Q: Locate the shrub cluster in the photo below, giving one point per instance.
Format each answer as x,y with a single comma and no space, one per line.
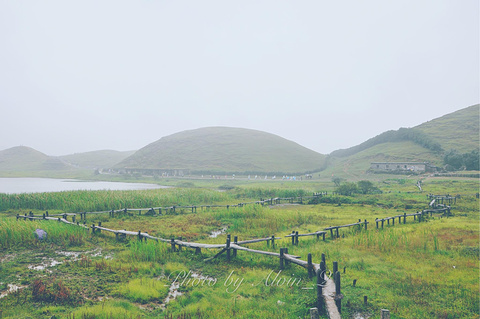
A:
361,187
454,160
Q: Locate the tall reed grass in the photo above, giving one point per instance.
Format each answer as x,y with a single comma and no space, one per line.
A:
20,233
80,201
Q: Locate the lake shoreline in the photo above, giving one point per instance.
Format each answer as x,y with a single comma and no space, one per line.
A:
20,185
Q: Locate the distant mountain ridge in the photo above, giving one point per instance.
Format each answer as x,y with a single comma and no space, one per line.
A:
458,130
427,142
96,159
221,150
23,158
26,161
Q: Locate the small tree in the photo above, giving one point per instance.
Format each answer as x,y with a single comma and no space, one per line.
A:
347,189
453,159
471,160
337,180
367,187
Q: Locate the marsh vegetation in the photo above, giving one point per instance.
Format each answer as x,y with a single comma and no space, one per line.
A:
416,270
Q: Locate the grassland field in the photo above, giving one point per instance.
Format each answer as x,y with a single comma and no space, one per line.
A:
416,270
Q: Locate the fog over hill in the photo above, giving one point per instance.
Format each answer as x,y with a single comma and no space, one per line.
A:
220,150
226,150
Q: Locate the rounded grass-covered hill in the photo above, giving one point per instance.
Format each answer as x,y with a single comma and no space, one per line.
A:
225,150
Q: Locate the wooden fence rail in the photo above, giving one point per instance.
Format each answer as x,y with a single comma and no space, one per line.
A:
328,291
331,228
421,216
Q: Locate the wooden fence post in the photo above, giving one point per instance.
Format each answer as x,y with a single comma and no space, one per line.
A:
310,265
281,259
172,241
335,268
323,259
404,218
376,222
385,314
99,225
319,289
285,251
140,235
235,240
382,223
365,224
338,294
331,232
293,237
314,313
273,241
227,246
296,238
336,230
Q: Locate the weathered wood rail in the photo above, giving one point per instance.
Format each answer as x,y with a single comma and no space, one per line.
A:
193,208
328,289
443,198
331,228
421,216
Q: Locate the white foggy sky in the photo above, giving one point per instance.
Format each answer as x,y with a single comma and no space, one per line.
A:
79,76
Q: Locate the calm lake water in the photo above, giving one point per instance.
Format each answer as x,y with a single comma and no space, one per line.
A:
40,185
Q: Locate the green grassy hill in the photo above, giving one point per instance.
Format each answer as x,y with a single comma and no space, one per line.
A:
226,150
427,142
97,159
458,130
26,161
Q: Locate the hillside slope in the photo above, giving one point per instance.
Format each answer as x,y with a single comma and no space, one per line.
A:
458,130
27,160
96,159
226,150
426,142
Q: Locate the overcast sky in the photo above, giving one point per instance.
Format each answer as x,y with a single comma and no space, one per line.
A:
79,76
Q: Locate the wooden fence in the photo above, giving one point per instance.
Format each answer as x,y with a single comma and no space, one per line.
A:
328,289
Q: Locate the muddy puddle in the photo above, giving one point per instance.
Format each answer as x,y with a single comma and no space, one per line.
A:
50,262
11,289
216,233
173,292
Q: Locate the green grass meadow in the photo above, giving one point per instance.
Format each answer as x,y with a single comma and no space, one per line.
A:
424,269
